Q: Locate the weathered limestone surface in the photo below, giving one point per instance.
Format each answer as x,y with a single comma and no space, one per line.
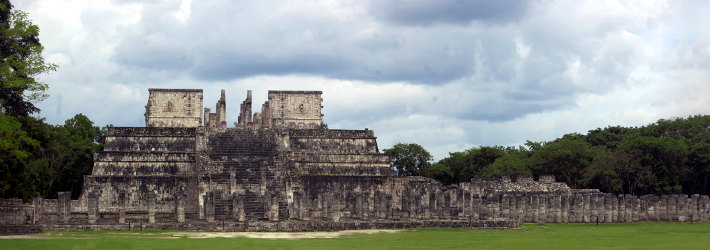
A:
174,108
284,109
282,165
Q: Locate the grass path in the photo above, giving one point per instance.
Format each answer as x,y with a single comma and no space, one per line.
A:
552,236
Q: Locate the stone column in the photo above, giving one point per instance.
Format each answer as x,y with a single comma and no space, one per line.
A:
682,207
557,205
608,210
180,208
93,207
273,207
579,207
646,208
613,206
587,209
535,208
704,208
370,204
150,201
64,206
673,204
629,207
542,209
621,209
209,206
693,213
527,208
327,201
666,209
505,209
637,208
122,207
658,208
564,207
512,207
459,203
466,204
492,206
475,206
601,207
486,207
520,207
593,208
238,206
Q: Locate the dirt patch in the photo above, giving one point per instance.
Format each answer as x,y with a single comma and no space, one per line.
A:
282,235
203,235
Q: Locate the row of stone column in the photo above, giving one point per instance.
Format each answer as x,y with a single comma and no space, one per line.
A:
421,202
596,207
427,202
93,212
236,202
455,203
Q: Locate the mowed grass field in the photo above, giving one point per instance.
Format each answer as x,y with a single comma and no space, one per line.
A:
531,236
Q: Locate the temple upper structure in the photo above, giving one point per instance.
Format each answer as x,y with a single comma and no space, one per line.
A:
174,108
218,119
284,109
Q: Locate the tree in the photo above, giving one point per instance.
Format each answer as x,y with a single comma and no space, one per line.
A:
660,163
469,163
566,158
439,172
514,163
15,150
22,61
408,159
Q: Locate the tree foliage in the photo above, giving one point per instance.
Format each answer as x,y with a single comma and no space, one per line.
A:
40,159
408,159
36,158
22,61
668,156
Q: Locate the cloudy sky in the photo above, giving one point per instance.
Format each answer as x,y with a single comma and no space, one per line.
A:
447,74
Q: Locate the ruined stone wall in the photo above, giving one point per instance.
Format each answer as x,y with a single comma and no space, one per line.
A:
295,109
15,212
324,197
174,108
219,118
336,152
141,169
524,184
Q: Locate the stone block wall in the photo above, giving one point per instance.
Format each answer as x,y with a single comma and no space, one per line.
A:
336,152
141,167
174,108
15,212
295,109
522,184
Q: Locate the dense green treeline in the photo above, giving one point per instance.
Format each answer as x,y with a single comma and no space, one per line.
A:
40,159
36,158
669,156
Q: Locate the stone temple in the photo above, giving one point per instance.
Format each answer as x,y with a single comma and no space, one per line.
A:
281,169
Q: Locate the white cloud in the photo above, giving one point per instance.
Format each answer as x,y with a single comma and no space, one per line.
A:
447,76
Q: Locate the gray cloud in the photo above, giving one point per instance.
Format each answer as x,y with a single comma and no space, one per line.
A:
423,12
510,59
436,66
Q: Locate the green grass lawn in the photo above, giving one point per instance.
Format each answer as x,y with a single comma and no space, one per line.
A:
530,236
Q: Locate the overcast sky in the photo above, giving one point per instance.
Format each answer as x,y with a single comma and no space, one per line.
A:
447,74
